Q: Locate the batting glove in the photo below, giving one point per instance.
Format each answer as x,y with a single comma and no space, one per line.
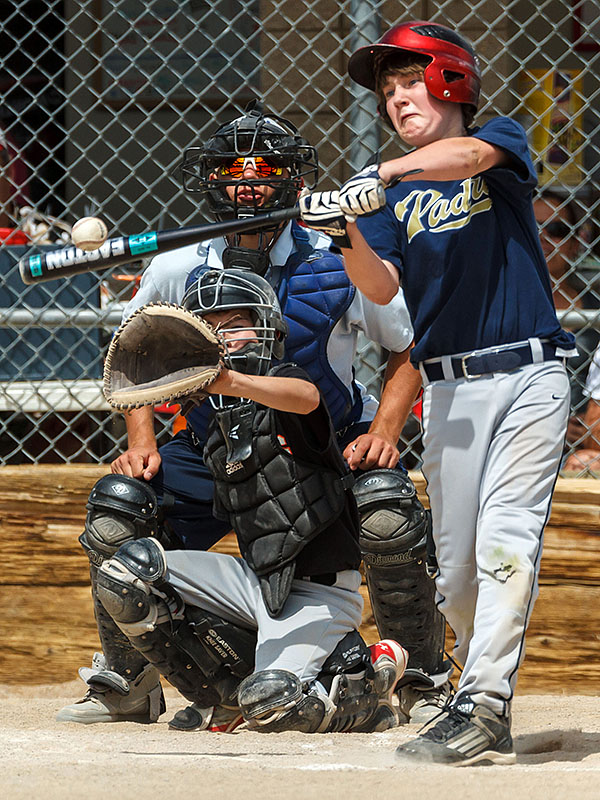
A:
362,194
321,211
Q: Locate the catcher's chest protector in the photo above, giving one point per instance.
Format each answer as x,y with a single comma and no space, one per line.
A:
276,503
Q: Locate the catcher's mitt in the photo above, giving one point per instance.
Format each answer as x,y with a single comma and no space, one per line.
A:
161,353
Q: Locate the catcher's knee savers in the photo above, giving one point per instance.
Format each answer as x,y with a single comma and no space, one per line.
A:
393,540
203,656
119,509
275,700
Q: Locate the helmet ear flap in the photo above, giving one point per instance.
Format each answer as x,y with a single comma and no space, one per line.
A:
448,50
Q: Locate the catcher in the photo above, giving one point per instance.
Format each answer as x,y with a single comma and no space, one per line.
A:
270,639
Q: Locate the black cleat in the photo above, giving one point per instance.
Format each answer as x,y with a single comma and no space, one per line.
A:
470,733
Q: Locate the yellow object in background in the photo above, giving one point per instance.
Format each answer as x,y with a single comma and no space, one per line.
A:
554,100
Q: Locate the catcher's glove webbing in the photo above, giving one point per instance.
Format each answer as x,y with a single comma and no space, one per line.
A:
161,353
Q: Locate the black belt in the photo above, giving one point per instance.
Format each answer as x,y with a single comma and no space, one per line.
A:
326,578
478,363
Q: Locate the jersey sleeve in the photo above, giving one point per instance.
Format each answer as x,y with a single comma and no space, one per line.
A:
592,384
388,326
518,178
314,427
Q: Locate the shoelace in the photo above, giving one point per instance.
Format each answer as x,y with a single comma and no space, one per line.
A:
446,708
455,719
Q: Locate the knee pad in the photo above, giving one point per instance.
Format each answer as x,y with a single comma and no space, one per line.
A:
127,587
273,701
119,509
393,521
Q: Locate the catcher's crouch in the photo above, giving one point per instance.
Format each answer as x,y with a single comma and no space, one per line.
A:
270,639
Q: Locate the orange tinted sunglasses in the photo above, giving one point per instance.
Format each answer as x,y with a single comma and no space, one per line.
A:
262,168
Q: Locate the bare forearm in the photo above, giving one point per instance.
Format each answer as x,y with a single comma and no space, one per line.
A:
375,278
445,160
141,459
140,427
282,394
401,386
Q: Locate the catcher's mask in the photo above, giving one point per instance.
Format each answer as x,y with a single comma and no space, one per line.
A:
232,289
282,159
453,71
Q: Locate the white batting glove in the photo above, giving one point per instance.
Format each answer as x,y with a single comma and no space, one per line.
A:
362,194
321,211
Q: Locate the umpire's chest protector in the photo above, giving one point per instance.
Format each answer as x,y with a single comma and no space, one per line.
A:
315,293
275,502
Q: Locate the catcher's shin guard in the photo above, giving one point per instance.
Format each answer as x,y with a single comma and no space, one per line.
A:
203,656
393,540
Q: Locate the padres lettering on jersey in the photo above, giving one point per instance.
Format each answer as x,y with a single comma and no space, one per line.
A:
465,249
428,209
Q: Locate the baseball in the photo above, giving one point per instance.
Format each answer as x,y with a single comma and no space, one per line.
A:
89,233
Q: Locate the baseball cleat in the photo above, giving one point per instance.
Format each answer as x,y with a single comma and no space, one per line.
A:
110,698
470,733
192,718
389,661
225,720
421,706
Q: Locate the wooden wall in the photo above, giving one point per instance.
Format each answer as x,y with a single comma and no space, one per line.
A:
47,628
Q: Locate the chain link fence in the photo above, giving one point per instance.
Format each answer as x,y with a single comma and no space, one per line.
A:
100,97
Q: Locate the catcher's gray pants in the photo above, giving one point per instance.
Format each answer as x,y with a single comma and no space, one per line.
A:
314,619
492,450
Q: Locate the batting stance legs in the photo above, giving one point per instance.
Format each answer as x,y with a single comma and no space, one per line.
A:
490,494
201,619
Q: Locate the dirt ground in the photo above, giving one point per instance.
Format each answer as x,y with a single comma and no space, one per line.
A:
557,741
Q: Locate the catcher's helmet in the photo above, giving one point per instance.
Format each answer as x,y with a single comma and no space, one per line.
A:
222,290
452,74
256,134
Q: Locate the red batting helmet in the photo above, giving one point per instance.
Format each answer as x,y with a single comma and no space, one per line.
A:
453,73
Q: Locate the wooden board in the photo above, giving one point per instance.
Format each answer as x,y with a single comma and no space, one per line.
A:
47,627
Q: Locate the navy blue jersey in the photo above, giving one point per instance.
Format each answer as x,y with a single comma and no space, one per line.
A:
469,254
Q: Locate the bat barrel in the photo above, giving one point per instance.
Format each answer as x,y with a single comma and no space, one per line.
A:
71,261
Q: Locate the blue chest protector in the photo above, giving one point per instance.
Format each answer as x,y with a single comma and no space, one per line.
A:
314,293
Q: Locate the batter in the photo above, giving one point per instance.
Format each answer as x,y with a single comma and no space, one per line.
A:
458,228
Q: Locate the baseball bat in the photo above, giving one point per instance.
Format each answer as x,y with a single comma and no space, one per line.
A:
124,249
